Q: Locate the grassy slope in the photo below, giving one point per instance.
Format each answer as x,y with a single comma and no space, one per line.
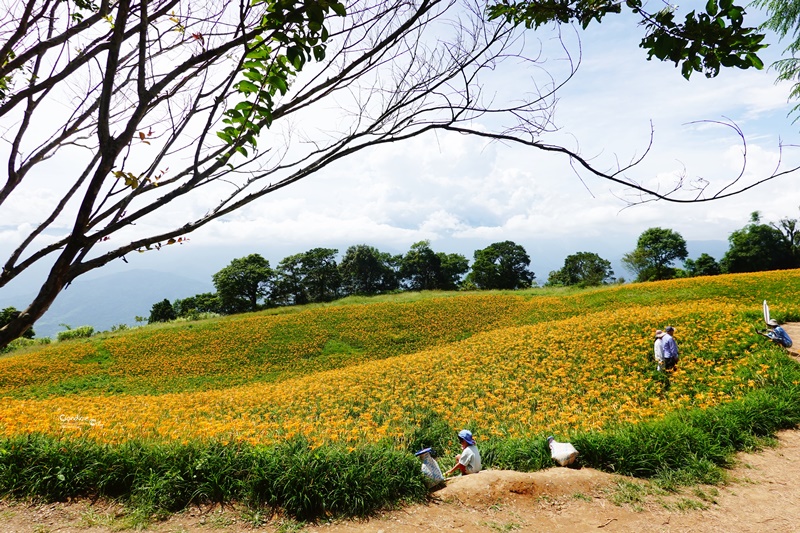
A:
287,343
290,344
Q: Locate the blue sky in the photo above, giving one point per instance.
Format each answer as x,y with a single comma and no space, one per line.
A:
463,193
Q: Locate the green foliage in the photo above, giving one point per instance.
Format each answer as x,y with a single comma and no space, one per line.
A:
6,82
790,230
454,267
502,265
195,306
162,312
10,313
305,483
757,247
524,455
705,265
430,430
704,42
22,342
655,251
293,34
784,18
583,269
423,269
243,284
688,442
75,333
367,271
309,277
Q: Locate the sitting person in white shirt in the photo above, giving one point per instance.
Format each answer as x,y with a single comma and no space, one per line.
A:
469,460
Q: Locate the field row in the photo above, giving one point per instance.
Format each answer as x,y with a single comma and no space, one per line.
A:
577,374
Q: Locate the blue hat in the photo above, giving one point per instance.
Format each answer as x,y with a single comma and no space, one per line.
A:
423,452
466,435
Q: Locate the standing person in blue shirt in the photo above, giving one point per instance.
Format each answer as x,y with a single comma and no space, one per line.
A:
469,460
778,335
670,348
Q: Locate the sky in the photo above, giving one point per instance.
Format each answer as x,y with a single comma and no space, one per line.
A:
462,193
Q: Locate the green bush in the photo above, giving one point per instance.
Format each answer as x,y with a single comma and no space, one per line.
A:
23,342
77,333
307,484
688,441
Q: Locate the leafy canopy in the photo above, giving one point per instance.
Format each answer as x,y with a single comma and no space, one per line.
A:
583,269
502,265
655,251
703,42
243,284
757,247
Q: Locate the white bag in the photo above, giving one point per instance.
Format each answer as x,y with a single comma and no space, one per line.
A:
430,469
563,453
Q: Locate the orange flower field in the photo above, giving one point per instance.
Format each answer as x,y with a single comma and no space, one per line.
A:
506,365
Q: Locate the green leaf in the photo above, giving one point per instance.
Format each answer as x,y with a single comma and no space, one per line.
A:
755,61
246,87
339,9
253,75
712,8
279,83
686,69
315,15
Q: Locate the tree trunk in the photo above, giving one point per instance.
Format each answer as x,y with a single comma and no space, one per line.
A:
56,281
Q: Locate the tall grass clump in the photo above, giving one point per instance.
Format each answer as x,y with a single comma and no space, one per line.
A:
156,478
686,444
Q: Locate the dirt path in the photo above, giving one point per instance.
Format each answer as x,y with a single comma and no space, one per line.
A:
761,495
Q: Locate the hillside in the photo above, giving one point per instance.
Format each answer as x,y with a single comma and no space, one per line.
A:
253,354
286,400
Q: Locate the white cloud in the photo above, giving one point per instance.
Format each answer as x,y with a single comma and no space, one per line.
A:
454,189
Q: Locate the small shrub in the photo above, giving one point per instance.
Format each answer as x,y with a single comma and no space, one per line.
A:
77,333
23,342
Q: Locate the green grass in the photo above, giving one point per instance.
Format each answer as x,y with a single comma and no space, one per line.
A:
280,344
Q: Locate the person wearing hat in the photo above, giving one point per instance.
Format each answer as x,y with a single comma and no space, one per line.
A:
778,335
431,473
670,348
469,460
658,349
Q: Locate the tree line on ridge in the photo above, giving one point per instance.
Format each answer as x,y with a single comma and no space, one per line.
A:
250,283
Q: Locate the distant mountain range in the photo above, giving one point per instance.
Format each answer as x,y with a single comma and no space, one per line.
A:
110,300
